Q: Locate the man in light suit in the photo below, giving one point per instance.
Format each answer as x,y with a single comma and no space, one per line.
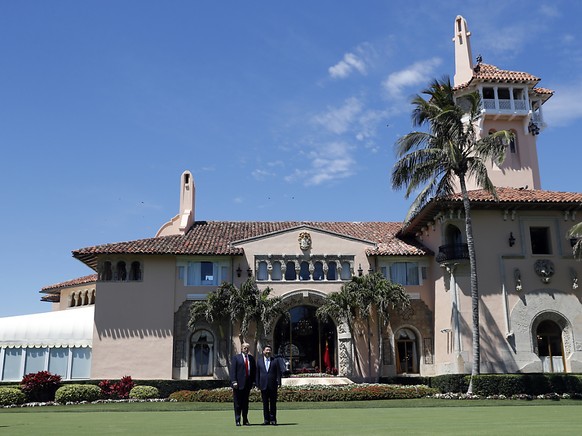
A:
242,377
269,372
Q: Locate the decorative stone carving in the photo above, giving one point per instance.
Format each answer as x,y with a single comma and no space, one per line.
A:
574,278
517,277
304,241
544,268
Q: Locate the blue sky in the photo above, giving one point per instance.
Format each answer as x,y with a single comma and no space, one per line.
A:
281,110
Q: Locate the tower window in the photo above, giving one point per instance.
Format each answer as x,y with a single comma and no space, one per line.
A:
540,240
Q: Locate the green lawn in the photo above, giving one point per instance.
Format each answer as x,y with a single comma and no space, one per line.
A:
410,417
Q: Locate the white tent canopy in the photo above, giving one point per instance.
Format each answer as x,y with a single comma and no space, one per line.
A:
63,328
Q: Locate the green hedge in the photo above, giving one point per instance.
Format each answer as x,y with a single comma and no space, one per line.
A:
11,396
144,392
530,384
354,392
74,393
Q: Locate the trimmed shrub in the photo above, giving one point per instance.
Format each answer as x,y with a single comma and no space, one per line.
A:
450,383
314,393
40,386
11,396
77,393
144,392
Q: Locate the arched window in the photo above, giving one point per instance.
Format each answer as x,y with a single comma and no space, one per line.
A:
346,273
550,347
407,360
201,353
513,142
276,272
121,271
318,271
453,235
262,272
304,271
106,271
290,273
135,271
332,271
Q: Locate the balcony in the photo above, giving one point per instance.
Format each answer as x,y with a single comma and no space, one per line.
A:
452,252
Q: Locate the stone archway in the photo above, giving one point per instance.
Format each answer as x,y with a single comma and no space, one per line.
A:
302,305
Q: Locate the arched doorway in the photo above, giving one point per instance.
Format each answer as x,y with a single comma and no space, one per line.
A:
306,343
550,346
201,353
407,355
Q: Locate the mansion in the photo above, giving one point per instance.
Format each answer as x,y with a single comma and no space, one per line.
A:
130,315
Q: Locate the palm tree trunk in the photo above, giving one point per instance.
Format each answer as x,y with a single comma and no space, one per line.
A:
475,370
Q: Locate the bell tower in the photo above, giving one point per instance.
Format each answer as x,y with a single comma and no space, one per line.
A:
511,100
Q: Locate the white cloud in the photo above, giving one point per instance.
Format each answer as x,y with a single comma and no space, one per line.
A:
338,120
418,73
347,66
260,174
330,162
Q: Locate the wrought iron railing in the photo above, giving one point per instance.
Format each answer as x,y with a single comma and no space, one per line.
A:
452,252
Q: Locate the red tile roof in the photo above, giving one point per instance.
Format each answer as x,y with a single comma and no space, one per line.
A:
221,238
491,73
75,282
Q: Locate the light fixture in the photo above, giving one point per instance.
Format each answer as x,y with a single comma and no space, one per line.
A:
511,240
238,271
533,128
360,270
250,272
371,270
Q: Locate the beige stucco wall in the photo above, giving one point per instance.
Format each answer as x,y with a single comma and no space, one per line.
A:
134,324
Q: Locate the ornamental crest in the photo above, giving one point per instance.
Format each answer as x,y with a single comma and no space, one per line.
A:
544,268
304,240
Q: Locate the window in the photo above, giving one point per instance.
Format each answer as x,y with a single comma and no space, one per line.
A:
121,271
346,272
205,273
35,360
276,272
540,240
81,363
106,271
262,272
58,361
404,273
550,346
332,271
407,356
202,353
318,271
290,273
12,364
513,142
135,272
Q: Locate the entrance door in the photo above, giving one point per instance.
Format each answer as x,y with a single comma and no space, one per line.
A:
307,344
550,346
406,352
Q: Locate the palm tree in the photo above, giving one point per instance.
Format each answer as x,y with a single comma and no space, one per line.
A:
246,305
357,300
449,152
576,232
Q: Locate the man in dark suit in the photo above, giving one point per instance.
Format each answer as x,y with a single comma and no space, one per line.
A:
269,372
242,377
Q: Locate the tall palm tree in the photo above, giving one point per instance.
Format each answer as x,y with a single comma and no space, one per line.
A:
449,152
576,232
358,299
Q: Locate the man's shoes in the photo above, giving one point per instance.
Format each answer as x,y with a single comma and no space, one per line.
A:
246,423
273,422
238,423
266,423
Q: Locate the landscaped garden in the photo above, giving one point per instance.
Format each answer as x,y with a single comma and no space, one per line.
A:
185,407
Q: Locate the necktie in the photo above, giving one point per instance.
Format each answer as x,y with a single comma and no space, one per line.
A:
267,363
246,366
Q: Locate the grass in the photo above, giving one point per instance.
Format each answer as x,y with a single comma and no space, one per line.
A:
412,417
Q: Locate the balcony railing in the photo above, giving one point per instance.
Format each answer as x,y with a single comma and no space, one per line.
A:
450,252
504,105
